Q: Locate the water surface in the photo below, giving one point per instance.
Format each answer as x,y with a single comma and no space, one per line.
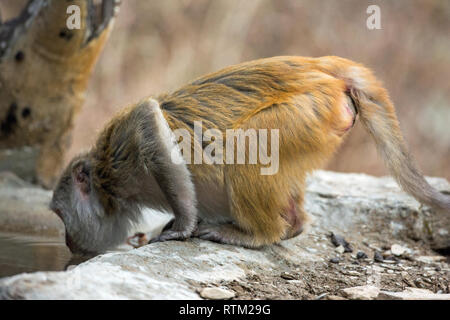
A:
20,253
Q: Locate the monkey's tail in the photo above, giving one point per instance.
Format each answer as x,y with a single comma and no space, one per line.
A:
377,114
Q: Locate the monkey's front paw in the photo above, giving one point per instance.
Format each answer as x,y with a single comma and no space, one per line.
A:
168,235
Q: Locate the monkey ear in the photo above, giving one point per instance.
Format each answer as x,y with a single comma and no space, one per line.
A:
80,174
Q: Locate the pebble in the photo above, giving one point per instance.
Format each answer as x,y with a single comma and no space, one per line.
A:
340,249
338,240
404,274
335,260
351,273
287,276
429,281
398,250
361,255
217,294
374,247
298,282
312,250
378,257
362,292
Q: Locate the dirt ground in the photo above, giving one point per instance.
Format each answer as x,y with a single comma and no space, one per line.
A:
325,280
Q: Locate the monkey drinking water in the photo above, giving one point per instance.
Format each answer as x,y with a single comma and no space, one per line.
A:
311,103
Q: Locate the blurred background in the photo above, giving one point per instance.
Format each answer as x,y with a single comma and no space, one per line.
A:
157,46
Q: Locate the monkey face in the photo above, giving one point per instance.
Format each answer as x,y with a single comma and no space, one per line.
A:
88,229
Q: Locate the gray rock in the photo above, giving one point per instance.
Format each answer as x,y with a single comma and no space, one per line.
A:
377,257
361,255
413,294
348,198
335,260
217,294
340,243
340,249
361,292
398,250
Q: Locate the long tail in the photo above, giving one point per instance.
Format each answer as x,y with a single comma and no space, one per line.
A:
378,116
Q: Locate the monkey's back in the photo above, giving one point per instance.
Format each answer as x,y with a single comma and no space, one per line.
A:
225,99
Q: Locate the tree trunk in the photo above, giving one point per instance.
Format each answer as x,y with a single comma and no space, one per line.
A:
44,72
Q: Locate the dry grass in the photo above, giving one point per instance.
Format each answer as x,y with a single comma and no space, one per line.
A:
159,45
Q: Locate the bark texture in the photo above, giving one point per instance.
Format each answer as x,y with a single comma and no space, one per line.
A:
44,72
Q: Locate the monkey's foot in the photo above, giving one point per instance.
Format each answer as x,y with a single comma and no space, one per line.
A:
171,231
168,235
225,234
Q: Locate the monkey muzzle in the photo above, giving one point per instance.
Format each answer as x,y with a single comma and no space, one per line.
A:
69,243
73,247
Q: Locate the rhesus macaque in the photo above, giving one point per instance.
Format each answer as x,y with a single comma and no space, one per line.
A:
313,102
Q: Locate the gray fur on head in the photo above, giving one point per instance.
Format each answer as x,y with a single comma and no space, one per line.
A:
89,228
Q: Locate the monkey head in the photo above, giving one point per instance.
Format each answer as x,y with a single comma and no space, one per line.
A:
76,200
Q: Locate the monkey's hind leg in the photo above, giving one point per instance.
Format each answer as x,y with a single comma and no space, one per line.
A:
232,234
264,212
226,234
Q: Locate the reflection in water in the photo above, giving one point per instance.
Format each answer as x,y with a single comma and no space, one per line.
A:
19,253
